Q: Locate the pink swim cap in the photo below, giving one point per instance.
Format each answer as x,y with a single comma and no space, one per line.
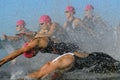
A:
70,9
45,19
89,7
28,54
20,22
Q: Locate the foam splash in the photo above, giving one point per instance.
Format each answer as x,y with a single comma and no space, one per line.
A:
104,41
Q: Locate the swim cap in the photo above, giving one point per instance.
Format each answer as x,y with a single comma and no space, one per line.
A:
20,22
89,7
28,54
70,9
45,19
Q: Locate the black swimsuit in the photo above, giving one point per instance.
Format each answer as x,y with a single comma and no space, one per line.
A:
59,48
97,62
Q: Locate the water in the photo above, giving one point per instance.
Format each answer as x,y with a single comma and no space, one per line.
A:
25,66
89,43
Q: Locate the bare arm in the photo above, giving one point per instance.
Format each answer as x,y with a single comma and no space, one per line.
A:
13,37
87,28
10,37
26,36
77,23
65,25
47,33
30,33
18,52
52,29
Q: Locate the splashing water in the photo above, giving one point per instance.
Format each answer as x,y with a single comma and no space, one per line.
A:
104,41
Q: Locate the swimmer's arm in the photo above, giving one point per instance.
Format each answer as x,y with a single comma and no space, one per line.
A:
10,37
77,23
30,33
49,33
52,29
18,52
87,28
65,25
84,18
13,37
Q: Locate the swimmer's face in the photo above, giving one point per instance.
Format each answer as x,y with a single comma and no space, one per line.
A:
19,27
68,14
88,12
43,25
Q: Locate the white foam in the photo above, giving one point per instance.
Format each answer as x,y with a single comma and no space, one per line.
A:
17,74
